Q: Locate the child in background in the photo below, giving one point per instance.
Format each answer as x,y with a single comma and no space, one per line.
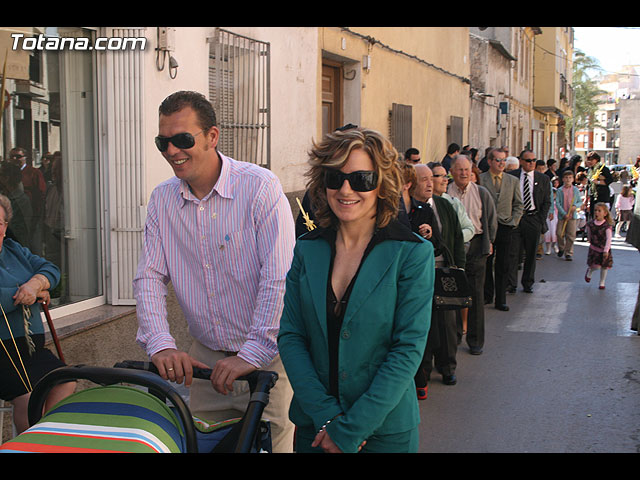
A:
624,207
599,233
550,236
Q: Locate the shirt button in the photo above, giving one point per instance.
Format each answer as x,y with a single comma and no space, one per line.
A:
346,334
201,208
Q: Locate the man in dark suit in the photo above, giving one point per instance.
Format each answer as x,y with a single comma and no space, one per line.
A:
535,188
507,197
600,178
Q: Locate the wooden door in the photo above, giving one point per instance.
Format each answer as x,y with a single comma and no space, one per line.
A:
331,97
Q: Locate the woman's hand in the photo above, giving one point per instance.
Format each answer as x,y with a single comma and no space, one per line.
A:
27,293
323,440
425,230
36,288
44,297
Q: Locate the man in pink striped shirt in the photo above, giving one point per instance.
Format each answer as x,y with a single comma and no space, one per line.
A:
222,232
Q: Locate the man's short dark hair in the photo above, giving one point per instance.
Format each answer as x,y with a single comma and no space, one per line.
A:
453,148
411,151
198,102
541,163
526,150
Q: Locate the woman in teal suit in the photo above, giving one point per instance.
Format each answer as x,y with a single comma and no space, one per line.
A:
357,307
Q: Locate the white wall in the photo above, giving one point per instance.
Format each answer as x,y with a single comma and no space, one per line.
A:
294,87
294,79
191,52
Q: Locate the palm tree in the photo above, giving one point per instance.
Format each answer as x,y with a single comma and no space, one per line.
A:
586,91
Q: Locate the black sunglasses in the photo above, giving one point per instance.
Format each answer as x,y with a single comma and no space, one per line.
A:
180,140
530,160
360,181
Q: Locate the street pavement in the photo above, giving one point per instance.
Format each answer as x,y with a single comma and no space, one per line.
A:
560,371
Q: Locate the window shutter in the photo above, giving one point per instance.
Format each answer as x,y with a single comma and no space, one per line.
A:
401,127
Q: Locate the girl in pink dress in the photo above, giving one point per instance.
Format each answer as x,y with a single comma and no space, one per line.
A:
599,233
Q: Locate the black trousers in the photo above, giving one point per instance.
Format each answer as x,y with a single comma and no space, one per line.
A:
497,270
442,346
475,270
525,239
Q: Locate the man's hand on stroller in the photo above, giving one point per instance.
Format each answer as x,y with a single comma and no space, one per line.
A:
175,365
227,370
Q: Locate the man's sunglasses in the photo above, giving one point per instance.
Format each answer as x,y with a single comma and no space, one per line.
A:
360,181
180,140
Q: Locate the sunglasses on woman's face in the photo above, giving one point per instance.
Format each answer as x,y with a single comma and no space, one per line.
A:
360,181
180,140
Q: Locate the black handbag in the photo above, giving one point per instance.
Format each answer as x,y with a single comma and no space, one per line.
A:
452,290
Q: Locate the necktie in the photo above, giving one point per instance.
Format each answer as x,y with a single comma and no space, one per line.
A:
496,182
526,194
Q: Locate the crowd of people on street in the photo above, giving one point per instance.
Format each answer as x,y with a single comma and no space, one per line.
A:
338,302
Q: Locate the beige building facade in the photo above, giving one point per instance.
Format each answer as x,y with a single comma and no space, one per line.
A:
502,113
411,84
553,92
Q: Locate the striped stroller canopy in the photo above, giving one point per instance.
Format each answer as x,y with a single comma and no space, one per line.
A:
116,418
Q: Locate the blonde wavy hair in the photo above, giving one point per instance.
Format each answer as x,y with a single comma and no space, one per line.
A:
334,150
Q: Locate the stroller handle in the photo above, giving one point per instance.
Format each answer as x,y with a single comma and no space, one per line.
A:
259,380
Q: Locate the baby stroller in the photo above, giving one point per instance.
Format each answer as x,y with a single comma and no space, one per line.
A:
120,417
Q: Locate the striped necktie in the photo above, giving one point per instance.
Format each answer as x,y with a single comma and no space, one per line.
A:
526,193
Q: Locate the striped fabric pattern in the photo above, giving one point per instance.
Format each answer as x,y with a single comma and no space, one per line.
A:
117,419
227,257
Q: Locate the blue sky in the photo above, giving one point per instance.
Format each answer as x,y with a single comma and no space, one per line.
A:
612,46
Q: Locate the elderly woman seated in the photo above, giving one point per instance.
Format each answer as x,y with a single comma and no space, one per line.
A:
25,280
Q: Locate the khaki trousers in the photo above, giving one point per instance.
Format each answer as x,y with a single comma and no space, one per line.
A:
211,406
566,238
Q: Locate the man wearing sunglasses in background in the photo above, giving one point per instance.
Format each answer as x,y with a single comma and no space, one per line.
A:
535,188
412,155
221,231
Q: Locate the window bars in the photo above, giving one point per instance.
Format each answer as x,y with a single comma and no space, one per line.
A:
239,89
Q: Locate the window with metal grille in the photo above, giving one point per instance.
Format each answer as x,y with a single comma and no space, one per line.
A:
454,130
400,118
239,89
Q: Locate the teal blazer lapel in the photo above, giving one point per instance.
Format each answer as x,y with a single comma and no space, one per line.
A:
316,262
373,269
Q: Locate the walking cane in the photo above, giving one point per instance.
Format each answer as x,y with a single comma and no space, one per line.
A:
54,335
